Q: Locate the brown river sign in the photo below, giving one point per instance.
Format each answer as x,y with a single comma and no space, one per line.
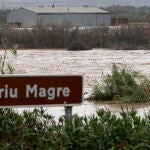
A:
41,90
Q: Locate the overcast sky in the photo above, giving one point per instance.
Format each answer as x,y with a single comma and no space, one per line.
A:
20,3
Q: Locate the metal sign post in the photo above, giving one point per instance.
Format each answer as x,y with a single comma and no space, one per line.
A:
68,112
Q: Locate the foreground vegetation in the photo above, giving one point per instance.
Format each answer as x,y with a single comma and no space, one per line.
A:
123,84
103,131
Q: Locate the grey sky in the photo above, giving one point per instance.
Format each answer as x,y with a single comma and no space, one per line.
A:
20,3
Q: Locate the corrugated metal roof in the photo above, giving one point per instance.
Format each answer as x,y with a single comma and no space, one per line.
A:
65,10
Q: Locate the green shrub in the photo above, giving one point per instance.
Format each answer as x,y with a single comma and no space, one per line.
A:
77,45
38,130
123,84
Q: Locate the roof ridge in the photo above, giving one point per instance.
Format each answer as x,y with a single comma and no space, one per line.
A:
65,9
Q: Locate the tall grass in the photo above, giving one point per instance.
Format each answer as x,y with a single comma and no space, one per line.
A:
130,37
38,130
6,66
123,84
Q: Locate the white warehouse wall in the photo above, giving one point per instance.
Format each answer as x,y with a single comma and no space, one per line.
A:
28,18
75,19
25,17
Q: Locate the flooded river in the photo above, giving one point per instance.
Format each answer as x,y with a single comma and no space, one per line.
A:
91,64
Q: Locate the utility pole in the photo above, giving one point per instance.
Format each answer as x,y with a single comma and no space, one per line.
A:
3,6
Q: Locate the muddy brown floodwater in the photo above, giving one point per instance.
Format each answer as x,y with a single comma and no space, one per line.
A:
92,64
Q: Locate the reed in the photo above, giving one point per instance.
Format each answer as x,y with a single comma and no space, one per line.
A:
129,37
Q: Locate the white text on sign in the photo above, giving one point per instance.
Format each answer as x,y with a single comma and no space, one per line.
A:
37,92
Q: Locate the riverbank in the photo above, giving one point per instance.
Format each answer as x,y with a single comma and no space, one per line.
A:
124,37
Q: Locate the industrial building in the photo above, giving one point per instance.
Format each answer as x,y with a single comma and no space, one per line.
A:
46,16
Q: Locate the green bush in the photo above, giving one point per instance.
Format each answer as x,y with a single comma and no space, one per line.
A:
77,45
38,130
123,84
